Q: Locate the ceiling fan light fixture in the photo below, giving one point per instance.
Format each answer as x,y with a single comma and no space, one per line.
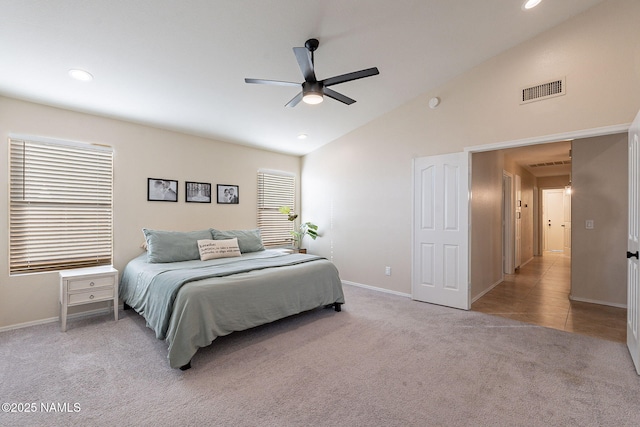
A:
312,93
312,98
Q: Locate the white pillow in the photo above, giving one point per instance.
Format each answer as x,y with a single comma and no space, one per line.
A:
211,249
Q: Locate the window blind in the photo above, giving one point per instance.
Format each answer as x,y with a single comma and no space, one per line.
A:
61,206
275,190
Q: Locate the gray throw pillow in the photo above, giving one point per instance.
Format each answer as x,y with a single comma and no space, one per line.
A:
173,246
248,240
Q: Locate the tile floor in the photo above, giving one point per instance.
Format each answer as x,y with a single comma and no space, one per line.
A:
539,294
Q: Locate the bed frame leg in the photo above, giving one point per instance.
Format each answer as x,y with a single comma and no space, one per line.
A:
185,367
337,306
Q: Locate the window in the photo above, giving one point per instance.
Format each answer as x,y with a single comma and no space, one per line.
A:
60,205
275,189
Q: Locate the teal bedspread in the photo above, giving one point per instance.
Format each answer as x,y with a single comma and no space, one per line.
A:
190,303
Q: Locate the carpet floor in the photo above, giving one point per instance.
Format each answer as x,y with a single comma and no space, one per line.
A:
384,360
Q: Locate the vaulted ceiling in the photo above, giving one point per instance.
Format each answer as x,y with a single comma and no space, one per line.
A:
181,65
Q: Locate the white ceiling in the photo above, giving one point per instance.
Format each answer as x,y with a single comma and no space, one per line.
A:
556,158
181,65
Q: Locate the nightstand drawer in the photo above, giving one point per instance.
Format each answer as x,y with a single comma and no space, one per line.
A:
90,283
85,297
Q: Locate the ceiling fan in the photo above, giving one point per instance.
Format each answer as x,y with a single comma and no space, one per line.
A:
312,88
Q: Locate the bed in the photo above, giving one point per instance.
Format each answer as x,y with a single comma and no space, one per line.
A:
190,301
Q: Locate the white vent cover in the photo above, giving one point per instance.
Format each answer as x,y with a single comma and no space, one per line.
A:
543,91
556,163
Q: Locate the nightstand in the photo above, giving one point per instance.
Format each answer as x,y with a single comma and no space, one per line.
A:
85,286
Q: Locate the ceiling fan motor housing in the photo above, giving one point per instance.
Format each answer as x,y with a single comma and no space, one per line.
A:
312,87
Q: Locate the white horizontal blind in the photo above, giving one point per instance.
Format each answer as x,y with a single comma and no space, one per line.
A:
275,190
61,205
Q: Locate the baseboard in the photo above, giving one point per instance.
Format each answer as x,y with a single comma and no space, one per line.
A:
483,293
105,310
591,301
374,288
526,262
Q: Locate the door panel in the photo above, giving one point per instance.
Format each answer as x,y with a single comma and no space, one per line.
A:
567,220
517,253
508,238
440,247
633,245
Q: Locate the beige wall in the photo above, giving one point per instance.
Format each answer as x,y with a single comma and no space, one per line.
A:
599,192
140,152
559,181
486,219
361,190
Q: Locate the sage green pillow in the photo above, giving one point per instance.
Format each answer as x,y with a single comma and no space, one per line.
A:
248,240
173,246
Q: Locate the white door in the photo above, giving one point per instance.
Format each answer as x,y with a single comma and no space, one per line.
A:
517,253
633,281
441,230
507,223
553,219
567,220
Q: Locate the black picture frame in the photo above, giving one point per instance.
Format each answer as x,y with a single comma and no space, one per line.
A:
228,194
197,192
162,190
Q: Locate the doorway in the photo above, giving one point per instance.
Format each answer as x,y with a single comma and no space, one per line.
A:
519,296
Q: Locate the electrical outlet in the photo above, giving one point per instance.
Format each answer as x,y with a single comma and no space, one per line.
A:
588,224
387,271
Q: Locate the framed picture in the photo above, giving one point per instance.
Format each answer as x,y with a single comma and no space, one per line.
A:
197,192
229,194
162,190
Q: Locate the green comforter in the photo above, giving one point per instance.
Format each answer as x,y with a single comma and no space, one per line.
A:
190,303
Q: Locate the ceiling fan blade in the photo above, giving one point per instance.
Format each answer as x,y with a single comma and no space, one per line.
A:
338,96
303,56
295,101
351,76
270,82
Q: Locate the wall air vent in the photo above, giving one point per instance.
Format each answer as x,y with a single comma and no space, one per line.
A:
543,91
555,163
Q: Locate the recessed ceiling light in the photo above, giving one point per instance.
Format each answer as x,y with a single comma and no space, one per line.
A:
303,136
530,4
82,75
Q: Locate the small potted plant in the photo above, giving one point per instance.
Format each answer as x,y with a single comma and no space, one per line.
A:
306,229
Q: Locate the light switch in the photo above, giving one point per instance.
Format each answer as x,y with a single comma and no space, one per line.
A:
588,224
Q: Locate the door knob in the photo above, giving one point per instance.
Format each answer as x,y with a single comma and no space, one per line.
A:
632,254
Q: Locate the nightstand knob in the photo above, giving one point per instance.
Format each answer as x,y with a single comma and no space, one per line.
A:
91,297
91,284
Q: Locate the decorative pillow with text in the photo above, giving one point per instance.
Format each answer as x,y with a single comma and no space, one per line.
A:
211,249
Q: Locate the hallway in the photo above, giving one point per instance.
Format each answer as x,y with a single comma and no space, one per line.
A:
539,294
